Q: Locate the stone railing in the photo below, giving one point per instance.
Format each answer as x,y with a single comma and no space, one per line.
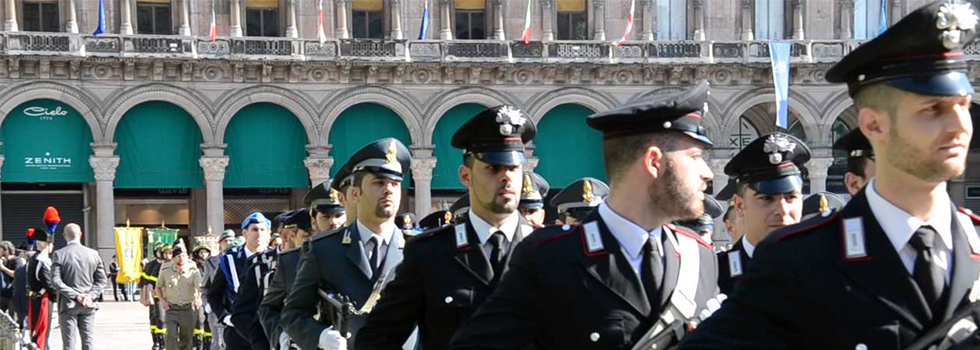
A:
263,48
11,335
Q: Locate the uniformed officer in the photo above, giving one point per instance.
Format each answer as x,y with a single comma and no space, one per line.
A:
406,223
298,226
579,199
227,279
202,328
436,219
350,261
625,270
342,182
768,196
179,287
704,224
149,297
326,209
217,327
899,258
253,283
860,160
533,191
469,257
41,293
822,203
460,207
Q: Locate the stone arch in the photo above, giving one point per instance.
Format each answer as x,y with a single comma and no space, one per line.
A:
839,107
403,105
452,98
543,102
193,104
295,103
797,105
84,104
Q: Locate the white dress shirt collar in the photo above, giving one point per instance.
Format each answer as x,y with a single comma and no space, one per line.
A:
484,229
630,236
747,246
899,225
366,234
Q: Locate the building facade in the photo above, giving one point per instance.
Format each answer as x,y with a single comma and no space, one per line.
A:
157,122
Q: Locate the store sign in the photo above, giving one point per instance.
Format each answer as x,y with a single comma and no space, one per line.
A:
46,141
47,162
45,113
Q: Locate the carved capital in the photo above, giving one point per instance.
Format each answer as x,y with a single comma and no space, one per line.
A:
104,167
214,168
422,168
818,167
319,169
547,4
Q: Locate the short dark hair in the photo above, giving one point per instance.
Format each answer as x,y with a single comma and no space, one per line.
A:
855,165
621,152
879,96
358,178
468,160
728,213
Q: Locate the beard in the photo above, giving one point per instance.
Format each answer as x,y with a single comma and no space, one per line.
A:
918,162
500,204
383,211
674,198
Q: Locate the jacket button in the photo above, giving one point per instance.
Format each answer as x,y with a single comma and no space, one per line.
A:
594,336
566,227
449,300
861,346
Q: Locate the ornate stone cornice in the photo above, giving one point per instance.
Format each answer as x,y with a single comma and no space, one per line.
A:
104,167
319,168
214,168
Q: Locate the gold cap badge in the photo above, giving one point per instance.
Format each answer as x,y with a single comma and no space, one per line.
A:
587,194
448,217
528,189
824,205
392,155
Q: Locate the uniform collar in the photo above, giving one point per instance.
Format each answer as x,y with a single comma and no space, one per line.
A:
484,229
630,236
248,253
366,233
747,247
899,225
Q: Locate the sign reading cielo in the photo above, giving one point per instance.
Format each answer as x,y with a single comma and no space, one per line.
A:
46,141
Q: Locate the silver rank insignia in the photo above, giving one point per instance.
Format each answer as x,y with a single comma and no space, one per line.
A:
593,240
776,145
461,239
734,263
953,20
511,120
346,240
854,238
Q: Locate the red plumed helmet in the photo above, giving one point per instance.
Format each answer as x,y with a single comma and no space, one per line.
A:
51,215
30,232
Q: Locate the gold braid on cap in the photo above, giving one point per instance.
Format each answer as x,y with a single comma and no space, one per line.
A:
392,155
527,189
587,194
824,205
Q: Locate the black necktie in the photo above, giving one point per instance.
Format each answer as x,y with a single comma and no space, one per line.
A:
375,253
929,276
497,252
652,271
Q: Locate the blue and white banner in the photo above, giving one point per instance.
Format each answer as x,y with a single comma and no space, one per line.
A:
779,53
101,28
425,20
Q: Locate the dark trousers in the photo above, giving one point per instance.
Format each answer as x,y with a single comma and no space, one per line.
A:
233,340
158,329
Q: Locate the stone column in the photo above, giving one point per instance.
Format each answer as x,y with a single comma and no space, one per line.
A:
747,23
235,14
698,20
547,10
341,12
10,16
72,25
396,20
319,168
104,165
126,18
648,20
718,169
846,16
599,18
446,14
817,168
214,178
798,20
185,21
498,20
422,174
291,31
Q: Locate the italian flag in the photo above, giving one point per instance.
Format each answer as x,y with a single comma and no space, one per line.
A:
629,24
527,23
214,25
320,35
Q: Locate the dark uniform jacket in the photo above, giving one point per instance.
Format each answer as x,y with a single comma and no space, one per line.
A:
559,295
726,282
439,286
42,295
244,314
279,287
336,265
803,292
225,285
150,273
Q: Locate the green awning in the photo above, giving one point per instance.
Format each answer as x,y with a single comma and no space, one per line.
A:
46,141
266,148
568,149
448,158
360,124
159,145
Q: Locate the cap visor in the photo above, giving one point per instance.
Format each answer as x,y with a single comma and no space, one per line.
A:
531,205
501,158
329,209
787,184
699,137
948,84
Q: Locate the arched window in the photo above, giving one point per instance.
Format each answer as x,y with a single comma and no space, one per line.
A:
573,20
671,19
796,129
367,19
742,136
770,19
41,16
470,19
868,18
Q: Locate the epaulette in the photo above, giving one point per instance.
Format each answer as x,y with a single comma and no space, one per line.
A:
430,233
324,234
805,226
565,231
287,251
688,232
971,214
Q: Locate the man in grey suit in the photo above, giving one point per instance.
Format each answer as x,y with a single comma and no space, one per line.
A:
78,275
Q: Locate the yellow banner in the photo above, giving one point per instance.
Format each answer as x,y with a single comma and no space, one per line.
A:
129,254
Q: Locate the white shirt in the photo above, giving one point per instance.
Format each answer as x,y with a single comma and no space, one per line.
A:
747,246
899,226
366,235
248,253
631,237
484,229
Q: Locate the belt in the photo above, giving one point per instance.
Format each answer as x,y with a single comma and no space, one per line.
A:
180,306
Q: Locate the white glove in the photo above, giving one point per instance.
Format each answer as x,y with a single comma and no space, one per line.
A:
227,321
332,340
207,308
711,306
284,341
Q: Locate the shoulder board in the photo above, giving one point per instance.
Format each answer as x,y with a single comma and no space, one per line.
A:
287,251
690,234
554,233
808,225
325,234
431,233
973,216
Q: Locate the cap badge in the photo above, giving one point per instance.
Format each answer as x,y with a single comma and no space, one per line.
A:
954,19
824,205
448,217
334,195
587,194
408,220
511,120
527,189
776,145
391,155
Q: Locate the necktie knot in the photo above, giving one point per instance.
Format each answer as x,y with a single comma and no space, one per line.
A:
923,238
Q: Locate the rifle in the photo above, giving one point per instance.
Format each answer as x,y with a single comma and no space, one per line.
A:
670,336
339,311
960,332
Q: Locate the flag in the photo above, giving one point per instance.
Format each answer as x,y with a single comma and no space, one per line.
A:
629,24
129,254
101,28
320,35
527,23
425,20
779,54
883,18
214,24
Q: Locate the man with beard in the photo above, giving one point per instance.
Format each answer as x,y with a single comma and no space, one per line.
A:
350,261
533,191
625,270
468,258
860,160
579,199
899,260
297,227
768,196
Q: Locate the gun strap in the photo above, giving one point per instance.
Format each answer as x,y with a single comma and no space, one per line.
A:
682,306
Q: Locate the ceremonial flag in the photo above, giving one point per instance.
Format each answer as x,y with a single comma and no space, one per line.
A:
629,24
779,54
320,35
101,28
214,25
129,254
424,28
527,23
